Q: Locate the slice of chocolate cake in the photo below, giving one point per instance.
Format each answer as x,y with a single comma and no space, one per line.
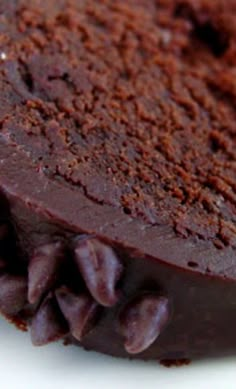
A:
118,174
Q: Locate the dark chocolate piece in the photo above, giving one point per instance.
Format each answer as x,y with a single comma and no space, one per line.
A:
44,269
142,321
48,324
100,268
13,294
80,311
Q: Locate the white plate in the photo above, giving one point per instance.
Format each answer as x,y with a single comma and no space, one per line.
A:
23,366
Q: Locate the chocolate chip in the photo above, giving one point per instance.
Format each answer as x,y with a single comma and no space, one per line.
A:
80,311
100,269
44,269
13,294
48,324
142,320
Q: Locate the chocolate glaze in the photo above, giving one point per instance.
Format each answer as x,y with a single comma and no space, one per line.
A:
115,212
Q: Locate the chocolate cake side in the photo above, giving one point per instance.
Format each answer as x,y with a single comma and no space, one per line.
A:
117,175
147,287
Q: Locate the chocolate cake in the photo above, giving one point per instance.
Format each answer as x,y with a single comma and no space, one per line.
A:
118,174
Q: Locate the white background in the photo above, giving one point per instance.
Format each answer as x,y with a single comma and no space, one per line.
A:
23,366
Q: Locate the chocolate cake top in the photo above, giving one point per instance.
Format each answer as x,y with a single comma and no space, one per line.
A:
130,103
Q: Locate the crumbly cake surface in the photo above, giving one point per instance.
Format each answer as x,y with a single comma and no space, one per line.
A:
131,103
